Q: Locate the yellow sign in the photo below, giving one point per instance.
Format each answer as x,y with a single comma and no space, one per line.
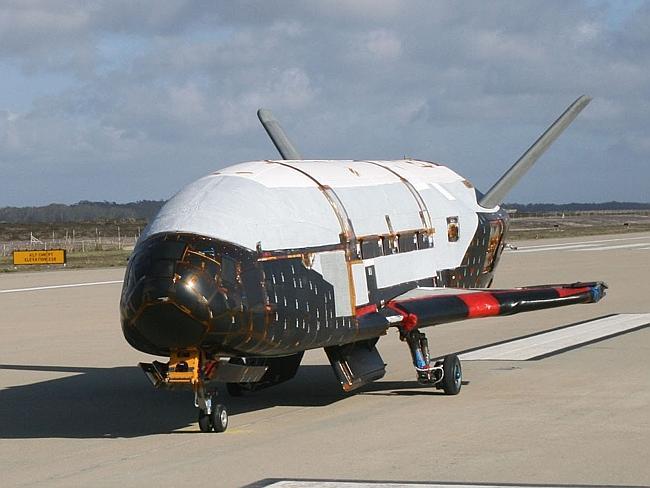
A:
53,256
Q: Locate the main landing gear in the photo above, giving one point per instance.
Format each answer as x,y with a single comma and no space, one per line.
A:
445,374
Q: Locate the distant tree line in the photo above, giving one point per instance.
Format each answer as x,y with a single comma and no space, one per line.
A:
83,211
86,211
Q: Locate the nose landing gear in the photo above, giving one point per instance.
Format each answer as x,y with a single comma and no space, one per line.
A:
445,374
211,416
197,370
191,368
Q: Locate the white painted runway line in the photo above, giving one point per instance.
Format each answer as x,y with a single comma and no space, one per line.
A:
54,287
558,340
618,246
595,241
380,484
585,245
557,248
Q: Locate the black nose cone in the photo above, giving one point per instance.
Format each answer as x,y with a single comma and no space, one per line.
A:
168,327
171,295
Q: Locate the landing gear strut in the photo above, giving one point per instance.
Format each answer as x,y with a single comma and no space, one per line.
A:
211,416
445,374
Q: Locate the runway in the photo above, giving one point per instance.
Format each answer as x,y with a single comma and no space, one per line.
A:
76,411
556,341
642,243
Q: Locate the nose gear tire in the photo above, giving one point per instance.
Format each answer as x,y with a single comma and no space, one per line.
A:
205,422
219,418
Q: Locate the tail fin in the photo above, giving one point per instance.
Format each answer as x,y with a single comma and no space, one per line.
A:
284,146
496,194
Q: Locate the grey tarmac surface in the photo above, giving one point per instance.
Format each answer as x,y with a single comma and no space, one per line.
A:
75,410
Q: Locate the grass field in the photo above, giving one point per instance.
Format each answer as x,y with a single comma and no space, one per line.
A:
88,244
98,244
577,224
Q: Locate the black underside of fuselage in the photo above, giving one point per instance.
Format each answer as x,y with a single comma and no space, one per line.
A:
187,291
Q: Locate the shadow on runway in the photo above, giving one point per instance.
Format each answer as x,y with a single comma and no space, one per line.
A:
95,402
120,402
401,388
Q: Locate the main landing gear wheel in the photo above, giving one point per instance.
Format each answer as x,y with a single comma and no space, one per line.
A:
216,420
453,375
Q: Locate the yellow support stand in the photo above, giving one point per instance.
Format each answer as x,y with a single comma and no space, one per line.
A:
184,367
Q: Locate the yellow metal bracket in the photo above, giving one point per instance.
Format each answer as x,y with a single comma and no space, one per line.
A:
184,367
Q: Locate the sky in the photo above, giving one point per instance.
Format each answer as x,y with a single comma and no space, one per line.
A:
122,101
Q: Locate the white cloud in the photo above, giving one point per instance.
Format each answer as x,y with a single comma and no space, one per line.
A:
162,86
383,45
587,31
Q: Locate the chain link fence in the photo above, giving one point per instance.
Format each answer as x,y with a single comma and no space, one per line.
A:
100,243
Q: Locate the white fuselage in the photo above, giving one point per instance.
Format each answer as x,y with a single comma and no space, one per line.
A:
287,205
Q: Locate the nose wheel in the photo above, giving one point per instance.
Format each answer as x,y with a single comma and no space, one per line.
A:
212,416
216,420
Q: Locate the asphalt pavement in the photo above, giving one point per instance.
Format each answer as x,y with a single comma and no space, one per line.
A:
76,411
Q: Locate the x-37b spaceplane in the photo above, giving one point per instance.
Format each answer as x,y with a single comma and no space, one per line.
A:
245,269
